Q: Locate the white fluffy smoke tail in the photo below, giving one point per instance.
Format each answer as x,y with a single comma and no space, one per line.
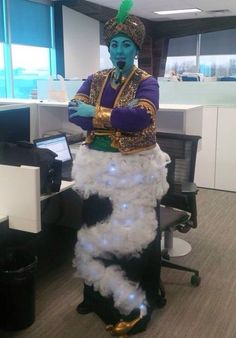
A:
134,183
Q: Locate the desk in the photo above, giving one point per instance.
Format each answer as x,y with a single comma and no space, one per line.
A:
3,218
47,116
180,119
175,118
20,197
64,186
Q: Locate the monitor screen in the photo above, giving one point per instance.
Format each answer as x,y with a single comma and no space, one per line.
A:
14,124
58,144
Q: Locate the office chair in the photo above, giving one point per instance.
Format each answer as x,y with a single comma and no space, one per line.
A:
178,209
228,78
190,78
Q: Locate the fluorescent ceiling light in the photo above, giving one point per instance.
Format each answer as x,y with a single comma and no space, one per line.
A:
179,11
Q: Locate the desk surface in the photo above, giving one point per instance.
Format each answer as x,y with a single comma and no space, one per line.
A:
3,218
178,107
46,103
64,186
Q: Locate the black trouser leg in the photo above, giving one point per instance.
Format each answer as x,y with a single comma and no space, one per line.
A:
96,209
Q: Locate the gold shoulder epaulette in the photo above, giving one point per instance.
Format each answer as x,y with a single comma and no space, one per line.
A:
143,74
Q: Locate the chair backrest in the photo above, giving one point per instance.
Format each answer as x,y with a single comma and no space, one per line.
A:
228,78
182,150
189,78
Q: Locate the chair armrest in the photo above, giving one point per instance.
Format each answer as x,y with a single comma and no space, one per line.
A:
183,196
189,188
183,188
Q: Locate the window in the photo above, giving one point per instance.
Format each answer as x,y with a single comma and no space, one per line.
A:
2,66
218,65
27,51
181,64
212,54
2,74
29,65
182,55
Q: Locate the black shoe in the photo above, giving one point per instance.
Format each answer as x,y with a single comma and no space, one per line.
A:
84,308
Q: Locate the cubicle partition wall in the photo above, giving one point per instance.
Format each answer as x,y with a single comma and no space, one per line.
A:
198,93
216,158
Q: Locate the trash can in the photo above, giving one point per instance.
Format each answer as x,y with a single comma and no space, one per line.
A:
17,289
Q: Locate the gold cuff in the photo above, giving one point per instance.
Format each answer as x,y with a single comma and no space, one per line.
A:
149,106
82,97
102,118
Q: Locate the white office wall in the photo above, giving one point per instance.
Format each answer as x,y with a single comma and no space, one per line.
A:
81,44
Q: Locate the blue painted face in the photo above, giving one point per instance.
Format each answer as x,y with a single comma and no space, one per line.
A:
122,48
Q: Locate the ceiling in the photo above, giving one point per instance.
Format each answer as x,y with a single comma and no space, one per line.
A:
145,8
215,15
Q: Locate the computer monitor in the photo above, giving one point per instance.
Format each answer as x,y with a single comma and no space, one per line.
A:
14,124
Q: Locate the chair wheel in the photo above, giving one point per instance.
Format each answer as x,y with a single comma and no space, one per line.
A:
161,302
165,255
195,280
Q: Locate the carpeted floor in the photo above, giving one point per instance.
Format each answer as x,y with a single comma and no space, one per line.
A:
207,311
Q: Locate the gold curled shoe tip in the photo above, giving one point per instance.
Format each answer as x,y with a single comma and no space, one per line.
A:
122,328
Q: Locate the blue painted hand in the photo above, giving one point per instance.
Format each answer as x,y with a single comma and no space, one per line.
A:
79,108
133,103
